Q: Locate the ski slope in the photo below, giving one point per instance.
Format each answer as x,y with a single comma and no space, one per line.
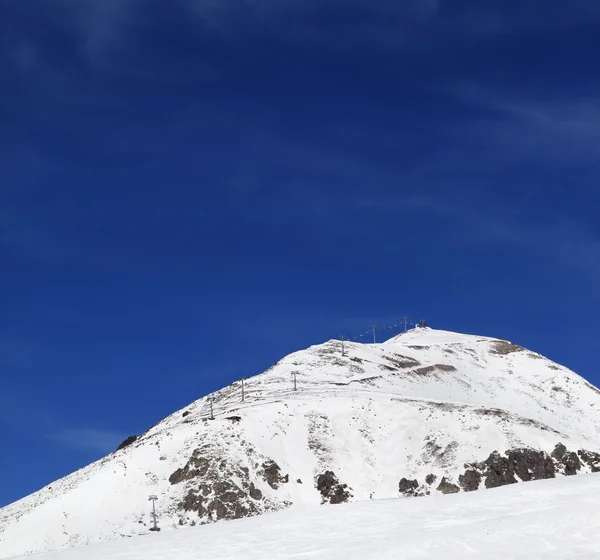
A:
542,520
420,406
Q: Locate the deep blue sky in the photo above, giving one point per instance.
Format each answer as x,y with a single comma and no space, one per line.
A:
191,189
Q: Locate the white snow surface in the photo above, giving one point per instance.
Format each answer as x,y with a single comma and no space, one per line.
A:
423,402
542,520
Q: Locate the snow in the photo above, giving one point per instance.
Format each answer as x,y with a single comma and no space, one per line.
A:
545,520
379,413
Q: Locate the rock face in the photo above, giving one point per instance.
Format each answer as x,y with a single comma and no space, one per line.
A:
515,465
331,490
567,460
446,487
127,442
219,489
470,480
271,473
408,487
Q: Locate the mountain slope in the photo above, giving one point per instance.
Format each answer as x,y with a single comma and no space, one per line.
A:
545,520
421,413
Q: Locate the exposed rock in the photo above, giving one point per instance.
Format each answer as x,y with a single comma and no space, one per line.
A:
270,472
197,466
445,367
424,370
504,347
400,362
530,464
233,418
408,487
498,471
254,492
591,459
566,460
470,480
446,487
127,442
224,500
331,490
186,413
430,479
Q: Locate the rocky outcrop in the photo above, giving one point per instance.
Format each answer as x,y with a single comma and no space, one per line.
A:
197,466
566,460
408,487
127,442
331,489
217,489
271,472
446,487
430,479
222,500
504,347
515,465
470,480
591,459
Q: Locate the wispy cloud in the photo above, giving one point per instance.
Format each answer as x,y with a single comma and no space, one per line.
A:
559,238
107,26
563,128
89,439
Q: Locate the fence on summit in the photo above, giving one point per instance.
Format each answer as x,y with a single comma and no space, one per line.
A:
366,337
372,333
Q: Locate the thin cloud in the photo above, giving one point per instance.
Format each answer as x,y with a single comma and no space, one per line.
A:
559,239
88,439
560,129
105,27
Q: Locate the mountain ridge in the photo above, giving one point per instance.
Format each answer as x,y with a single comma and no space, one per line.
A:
406,417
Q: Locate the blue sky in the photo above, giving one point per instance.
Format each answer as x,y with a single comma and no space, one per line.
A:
190,190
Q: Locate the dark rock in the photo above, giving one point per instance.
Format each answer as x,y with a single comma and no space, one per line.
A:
504,347
223,500
424,370
234,418
445,367
270,472
408,487
430,478
402,362
591,459
186,413
331,490
498,471
196,466
529,464
325,482
470,480
559,451
299,481
254,492
340,494
446,487
566,460
127,442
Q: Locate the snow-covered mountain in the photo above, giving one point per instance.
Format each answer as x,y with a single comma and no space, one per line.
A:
426,412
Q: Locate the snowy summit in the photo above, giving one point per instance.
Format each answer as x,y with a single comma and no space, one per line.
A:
425,413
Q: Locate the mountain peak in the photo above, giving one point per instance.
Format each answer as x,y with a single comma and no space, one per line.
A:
384,420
